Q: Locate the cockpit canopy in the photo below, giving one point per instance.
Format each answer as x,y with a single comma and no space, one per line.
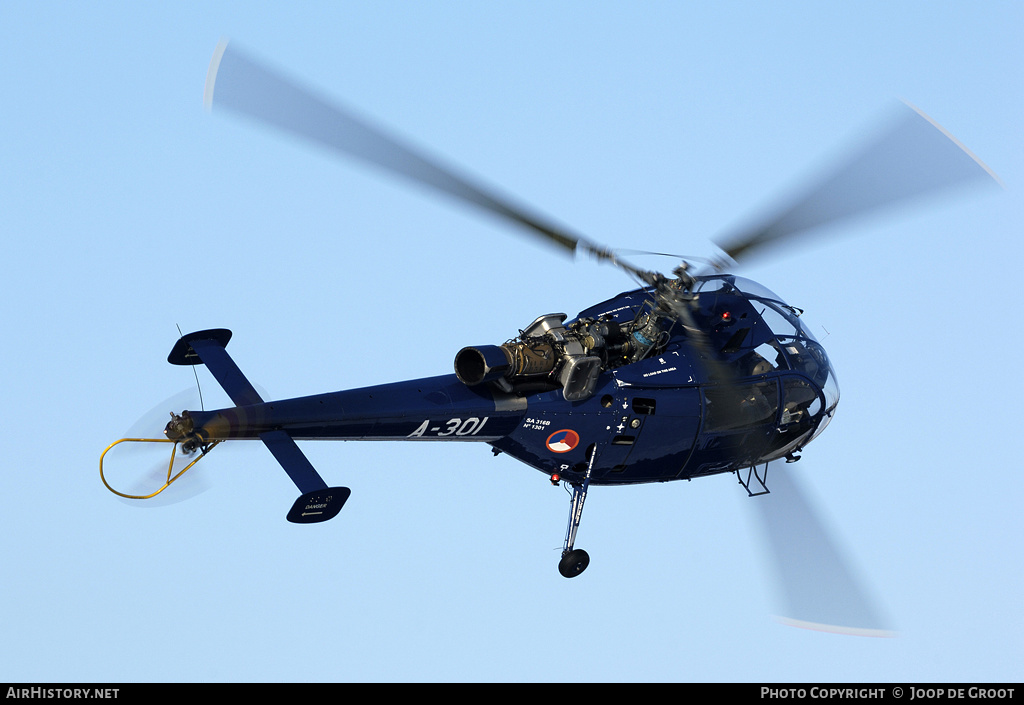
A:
757,333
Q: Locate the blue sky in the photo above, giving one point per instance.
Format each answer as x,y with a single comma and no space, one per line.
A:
127,211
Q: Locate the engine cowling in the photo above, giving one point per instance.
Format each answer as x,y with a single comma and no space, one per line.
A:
546,355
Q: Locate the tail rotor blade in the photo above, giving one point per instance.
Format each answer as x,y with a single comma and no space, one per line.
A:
139,469
819,588
151,424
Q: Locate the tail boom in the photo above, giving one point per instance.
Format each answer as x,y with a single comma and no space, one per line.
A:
431,409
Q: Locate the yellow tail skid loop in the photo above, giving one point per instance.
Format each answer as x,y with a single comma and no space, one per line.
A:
171,475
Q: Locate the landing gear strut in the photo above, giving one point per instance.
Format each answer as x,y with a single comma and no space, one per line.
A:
575,560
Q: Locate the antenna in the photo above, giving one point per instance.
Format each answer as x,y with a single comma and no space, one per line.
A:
202,407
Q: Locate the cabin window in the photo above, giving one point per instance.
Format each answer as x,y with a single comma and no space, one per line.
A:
801,403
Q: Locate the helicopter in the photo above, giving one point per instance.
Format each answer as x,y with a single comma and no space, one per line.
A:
687,375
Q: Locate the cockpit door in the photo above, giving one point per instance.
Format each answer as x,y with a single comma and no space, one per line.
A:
739,423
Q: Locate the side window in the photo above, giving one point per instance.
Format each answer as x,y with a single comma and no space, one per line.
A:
801,403
801,410
763,359
808,357
736,407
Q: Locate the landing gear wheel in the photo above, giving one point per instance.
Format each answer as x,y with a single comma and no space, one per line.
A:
573,563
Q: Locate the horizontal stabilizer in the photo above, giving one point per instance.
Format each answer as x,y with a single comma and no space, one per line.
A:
298,467
318,502
206,347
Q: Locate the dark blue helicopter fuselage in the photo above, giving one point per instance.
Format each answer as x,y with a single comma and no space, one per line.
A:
657,419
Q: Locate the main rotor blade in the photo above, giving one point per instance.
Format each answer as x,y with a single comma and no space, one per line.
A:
819,588
912,157
238,83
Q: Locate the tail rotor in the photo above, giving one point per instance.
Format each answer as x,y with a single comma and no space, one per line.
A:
144,464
